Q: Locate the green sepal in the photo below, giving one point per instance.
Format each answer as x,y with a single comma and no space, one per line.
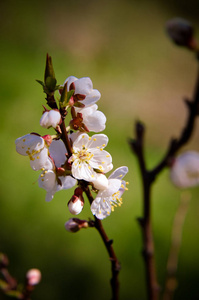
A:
65,96
40,82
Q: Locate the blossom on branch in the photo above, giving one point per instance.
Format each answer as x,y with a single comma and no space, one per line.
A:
91,118
84,94
184,171
50,118
50,180
76,203
34,146
89,156
109,195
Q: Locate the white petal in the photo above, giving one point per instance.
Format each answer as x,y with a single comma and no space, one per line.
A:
93,97
100,160
47,181
82,171
41,160
101,208
83,86
98,140
100,182
28,144
50,118
58,152
81,140
67,182
95,122
113,186
75,208
119,173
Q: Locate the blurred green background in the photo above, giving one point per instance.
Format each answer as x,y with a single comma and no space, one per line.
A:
122,46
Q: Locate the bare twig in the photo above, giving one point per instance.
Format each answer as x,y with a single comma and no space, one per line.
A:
115,265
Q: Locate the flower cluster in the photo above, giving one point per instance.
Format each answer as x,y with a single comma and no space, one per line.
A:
73,157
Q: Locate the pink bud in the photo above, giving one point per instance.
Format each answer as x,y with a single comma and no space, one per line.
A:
33,276
76,203
74,225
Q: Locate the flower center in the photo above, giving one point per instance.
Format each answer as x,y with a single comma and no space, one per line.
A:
83,155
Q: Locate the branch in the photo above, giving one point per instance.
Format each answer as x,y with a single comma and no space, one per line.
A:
145,221
115,265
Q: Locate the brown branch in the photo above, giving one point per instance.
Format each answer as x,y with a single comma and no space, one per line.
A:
172,264
145,222
115,265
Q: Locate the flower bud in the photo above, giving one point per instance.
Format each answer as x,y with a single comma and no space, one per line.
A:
49,76
76,203
50,118
181,32
185,170
74,225
33,276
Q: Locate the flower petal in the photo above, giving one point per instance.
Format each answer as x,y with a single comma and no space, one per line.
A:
28,144
58,152
119,173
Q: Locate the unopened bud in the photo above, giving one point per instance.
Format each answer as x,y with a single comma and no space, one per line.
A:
50,118
49,76
33,276
181,32
76,203
74,225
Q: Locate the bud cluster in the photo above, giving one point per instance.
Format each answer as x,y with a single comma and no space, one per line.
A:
72,155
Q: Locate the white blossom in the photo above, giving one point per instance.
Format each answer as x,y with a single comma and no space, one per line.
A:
34,146
184,172
89,155
84,92
110,196
93,119
50,118
48,179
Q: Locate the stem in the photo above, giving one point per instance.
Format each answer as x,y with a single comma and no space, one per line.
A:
145,221
115,265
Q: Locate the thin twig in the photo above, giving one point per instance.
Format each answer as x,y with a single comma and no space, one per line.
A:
145,220
115,265
172,263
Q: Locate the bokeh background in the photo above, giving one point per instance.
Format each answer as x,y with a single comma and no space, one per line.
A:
123,47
